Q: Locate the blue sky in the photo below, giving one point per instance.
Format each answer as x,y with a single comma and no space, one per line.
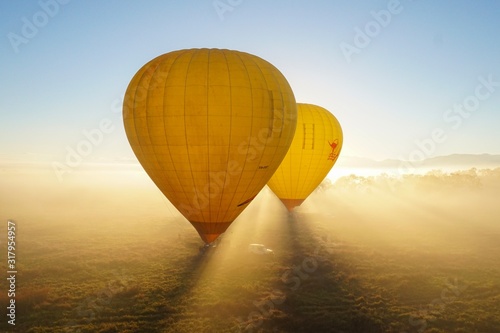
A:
391,95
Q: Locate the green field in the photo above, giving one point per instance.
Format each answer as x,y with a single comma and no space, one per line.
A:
105,252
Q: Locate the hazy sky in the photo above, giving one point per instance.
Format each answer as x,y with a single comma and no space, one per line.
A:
393,72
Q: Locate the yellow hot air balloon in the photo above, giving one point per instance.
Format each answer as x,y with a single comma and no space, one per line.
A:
313,152
210,127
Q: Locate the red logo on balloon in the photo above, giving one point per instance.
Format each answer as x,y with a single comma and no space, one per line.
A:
333,156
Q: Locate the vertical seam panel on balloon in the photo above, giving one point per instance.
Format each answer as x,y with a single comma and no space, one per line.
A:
296,189
327,128
135,122
281,178
311,172
187,143
251,128
165,128
319,171
271,72
179,55
229,143
159,170
271,114
310,169
288,186
313,141
210,224
262,155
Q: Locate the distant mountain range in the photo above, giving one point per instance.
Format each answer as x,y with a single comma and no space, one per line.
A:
455,160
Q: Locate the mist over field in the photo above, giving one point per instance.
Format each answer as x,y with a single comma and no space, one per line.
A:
104,251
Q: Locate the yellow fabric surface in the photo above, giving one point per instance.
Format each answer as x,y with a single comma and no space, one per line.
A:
210,127
314,150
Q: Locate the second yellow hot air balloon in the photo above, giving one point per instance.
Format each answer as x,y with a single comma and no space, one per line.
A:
314,150
210,127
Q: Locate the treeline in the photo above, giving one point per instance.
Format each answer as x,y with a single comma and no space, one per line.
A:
436,181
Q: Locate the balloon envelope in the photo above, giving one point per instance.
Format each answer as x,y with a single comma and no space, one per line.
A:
210,127
314,150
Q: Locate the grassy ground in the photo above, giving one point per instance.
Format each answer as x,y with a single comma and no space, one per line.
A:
417,254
